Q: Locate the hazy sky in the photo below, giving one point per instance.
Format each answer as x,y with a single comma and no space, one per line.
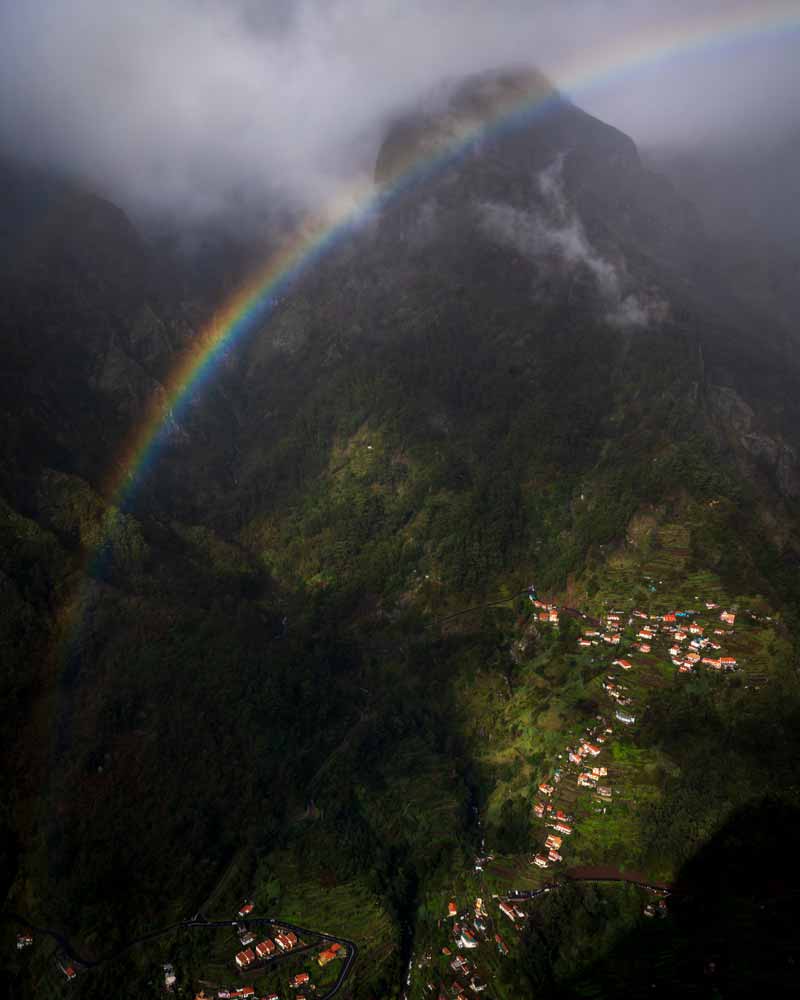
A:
179,103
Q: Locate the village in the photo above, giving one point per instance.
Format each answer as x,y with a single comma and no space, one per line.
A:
618,647
688,640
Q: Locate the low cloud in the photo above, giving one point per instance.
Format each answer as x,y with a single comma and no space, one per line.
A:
201,107
553,229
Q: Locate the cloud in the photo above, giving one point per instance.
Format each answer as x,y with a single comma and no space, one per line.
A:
552,229
198,106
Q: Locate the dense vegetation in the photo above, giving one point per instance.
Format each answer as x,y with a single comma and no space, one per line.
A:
256,693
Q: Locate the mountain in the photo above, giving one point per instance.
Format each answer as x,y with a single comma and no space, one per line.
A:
308,671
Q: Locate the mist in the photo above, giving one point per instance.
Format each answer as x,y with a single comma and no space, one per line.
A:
197,108
553,230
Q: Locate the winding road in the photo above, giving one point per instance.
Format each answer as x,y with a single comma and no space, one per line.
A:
85,963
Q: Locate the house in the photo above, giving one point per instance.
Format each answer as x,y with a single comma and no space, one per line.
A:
604,791
243,993
586,780
625,717
560,814
599,772
247,937
24,941
575,757
553,841
300,979
459,963
538,809
685,668
245,958
265,949
477,985
467,939
452,909
728,617
674,651
286,941
611,639
244,909
563,827
727,662
540,860
554,616
546,789
506,909
670,618
711,662
711,605
583,643
591,749
479,924
68,970
695,629
446,951
643,647
502,947
625,664
272,996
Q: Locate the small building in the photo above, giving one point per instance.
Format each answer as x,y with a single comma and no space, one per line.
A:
300,979
553,841
502,947
265,948
245,908
625,717
563,827
24,941
546,789
67,969
604,791
506,909
245,958
728,617
467,939
452,909
540,860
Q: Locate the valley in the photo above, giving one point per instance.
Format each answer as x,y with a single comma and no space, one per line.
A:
302,664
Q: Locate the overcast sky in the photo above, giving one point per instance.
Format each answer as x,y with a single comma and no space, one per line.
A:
179,103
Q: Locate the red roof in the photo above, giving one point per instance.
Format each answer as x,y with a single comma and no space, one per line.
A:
301,977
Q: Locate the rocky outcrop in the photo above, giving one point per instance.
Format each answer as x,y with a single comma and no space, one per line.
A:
741,427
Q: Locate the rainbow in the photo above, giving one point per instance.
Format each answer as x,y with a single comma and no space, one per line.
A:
253,304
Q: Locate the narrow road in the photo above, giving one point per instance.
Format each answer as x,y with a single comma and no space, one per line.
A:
64,944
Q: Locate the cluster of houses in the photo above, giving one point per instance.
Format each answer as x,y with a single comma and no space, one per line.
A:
284,941
468,930
690,644
589,775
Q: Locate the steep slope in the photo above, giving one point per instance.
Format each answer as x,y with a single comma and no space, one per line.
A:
527,368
